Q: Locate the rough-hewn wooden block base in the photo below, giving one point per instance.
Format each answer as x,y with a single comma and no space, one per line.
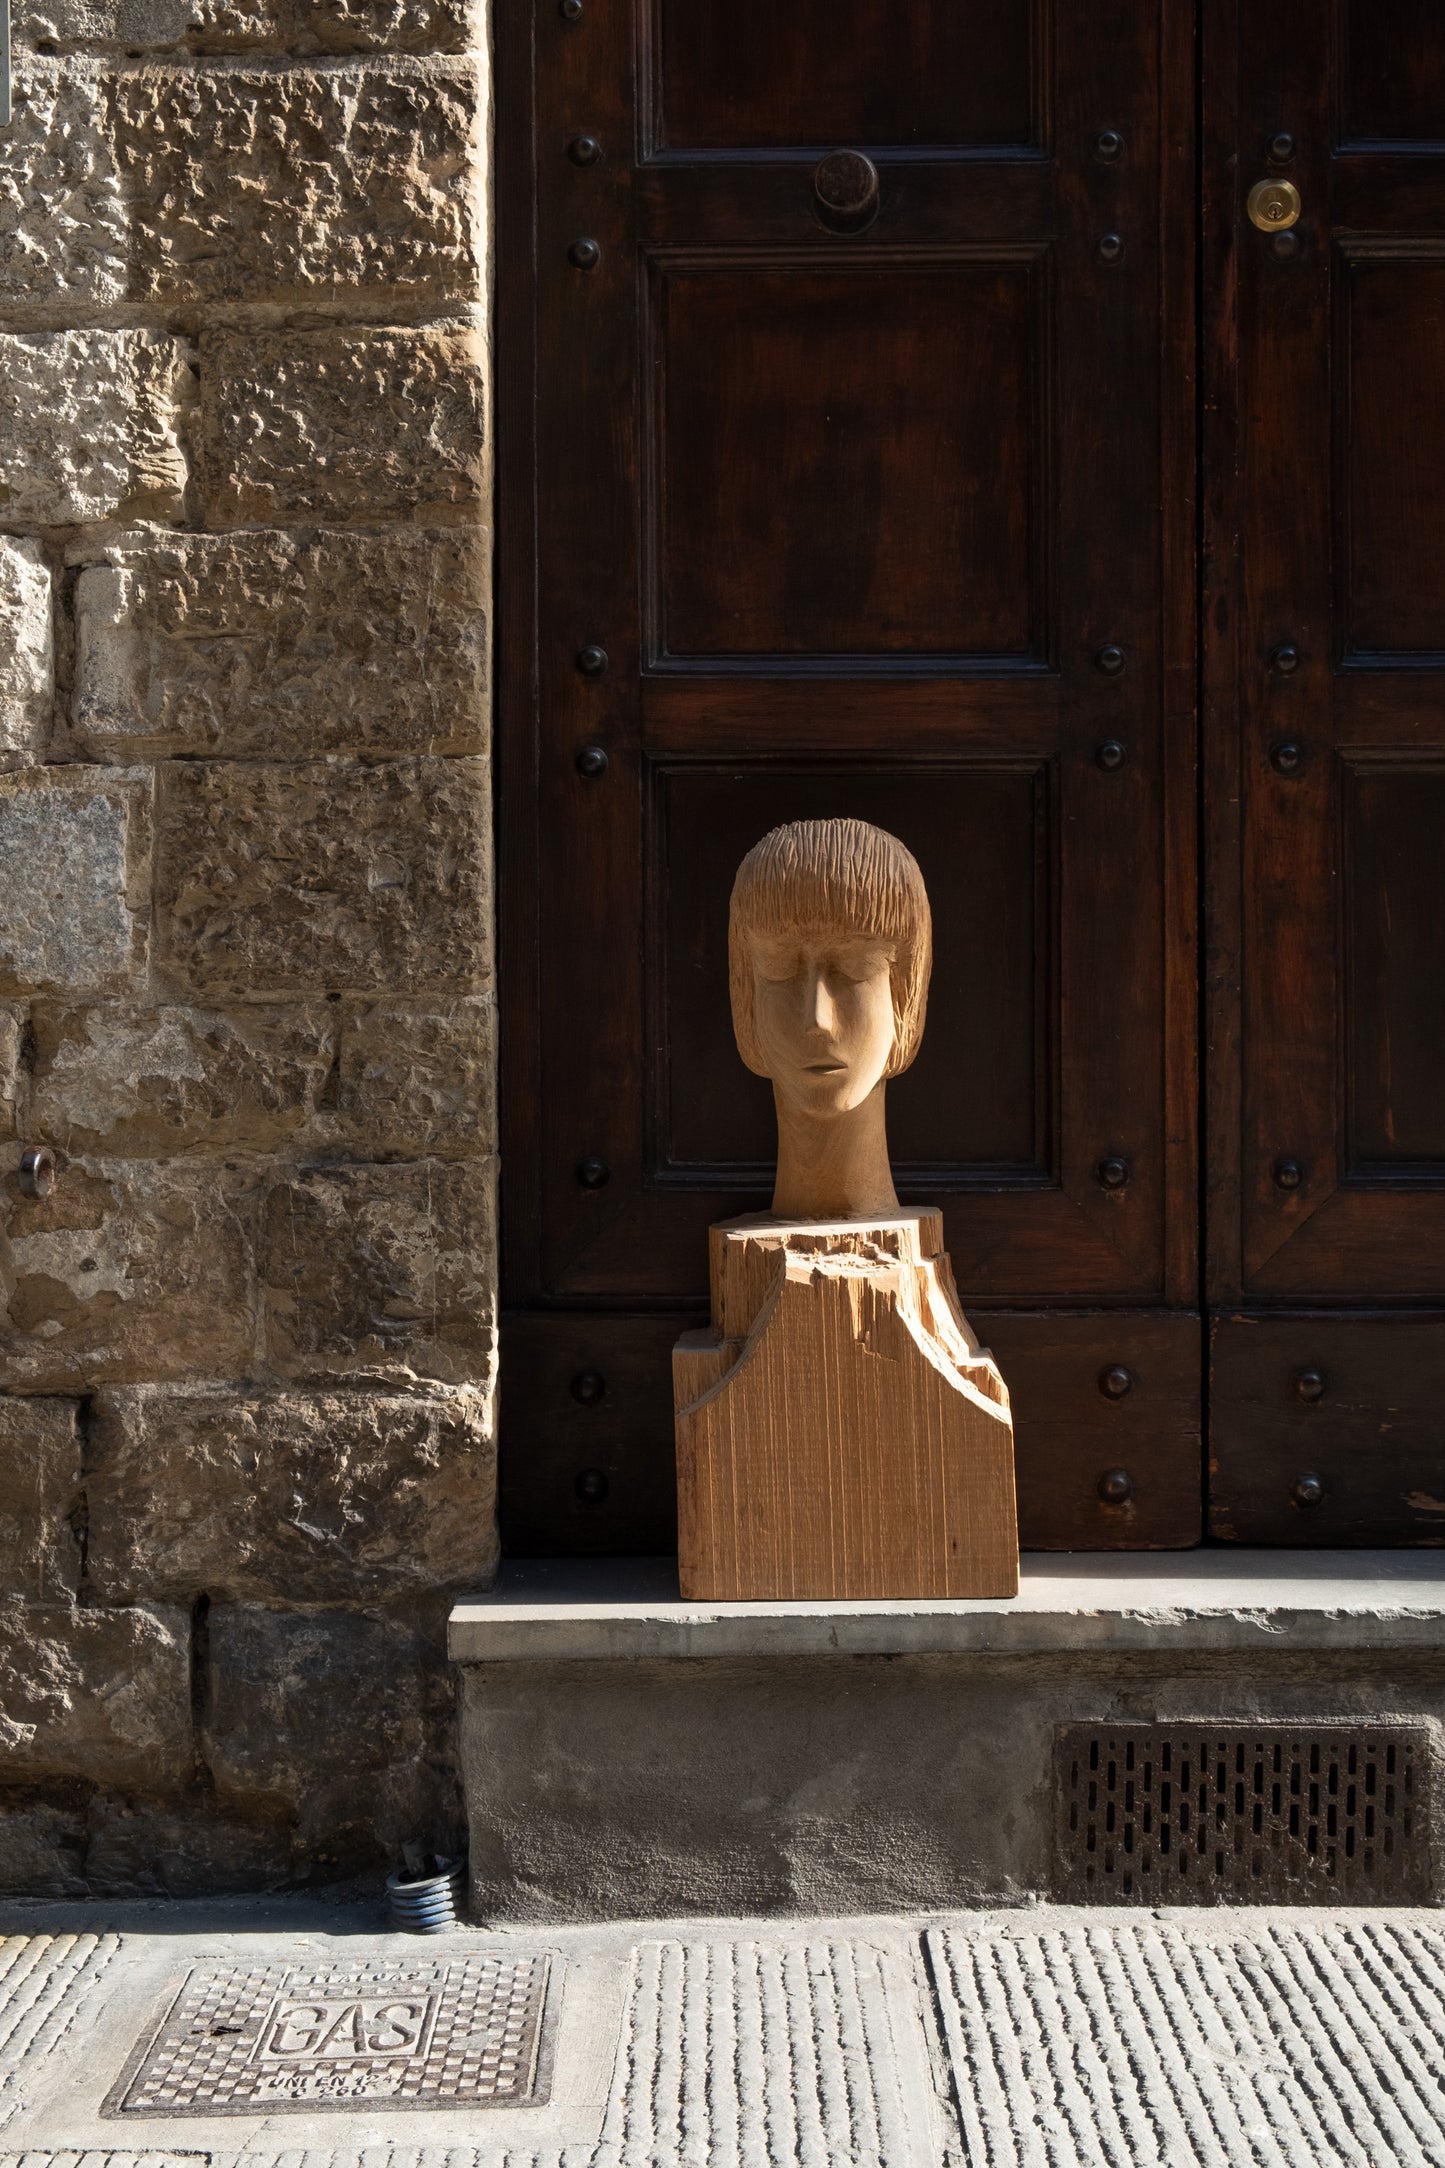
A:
839,1432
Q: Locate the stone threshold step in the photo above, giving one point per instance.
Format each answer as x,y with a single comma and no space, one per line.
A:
553,1610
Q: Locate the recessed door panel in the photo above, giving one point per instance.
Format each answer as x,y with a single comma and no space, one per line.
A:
1391,84
1394,853
1391,511
749,75
892,498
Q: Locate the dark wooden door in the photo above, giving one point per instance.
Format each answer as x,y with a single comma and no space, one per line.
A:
888,514
1325,784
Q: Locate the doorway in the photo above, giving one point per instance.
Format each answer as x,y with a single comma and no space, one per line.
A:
850,463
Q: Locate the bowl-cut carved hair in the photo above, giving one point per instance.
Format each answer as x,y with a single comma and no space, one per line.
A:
843,877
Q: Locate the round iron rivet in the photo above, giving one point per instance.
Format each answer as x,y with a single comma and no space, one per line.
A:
1285,246
1111,248
1307,1490
584,150
1112,1173
1110,660
586,255
1108,146
37,1171
1288,1174
591,1486
1116,1486
593,1173
1281,149
1285,660
1116,1381
1111,755
588,1386
1309,1384
1286,757
592,761
570,10
592,661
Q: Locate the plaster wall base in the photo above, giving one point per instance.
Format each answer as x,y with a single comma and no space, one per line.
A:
651,1784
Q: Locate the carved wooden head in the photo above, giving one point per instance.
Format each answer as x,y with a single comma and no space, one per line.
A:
830,946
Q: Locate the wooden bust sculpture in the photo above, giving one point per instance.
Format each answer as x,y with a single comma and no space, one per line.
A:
839,1431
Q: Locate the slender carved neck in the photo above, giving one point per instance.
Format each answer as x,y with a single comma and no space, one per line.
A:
833,1169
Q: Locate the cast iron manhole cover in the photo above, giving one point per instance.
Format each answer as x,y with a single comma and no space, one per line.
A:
403,2033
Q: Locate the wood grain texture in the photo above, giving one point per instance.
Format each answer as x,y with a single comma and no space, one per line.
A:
840,1434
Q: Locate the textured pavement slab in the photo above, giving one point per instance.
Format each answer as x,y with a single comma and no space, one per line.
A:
1042,2038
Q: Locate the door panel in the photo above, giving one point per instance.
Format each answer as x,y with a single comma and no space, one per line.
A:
895,522
893,499
747,75
1327,732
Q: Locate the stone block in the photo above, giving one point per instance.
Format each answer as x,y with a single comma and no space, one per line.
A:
90,426
278,646
39,1499
135,1848
364,425
331,1715
256,184
75,900
42,1847
323,876
12,1041
382,1269
389,26
101,1694
27,648
64,223
138,1082
129,1270
239,26
416,1080
300,1497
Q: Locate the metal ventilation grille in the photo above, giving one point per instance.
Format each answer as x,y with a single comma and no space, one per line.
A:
1173,1814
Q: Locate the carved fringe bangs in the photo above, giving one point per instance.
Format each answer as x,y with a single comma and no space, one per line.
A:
824,873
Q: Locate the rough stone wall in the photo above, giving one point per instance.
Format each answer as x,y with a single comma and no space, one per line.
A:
246,1343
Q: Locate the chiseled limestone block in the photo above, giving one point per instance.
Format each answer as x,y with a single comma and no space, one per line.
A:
27,648
367,425
382,1270
279,646
64,218
840,1434
130,1081
141,1847
258,184
95,1692
367,1691
75,900
416,1079
128,1270
323,877
288,1497
238,26
42,1847
39,1494
12,1040
90,426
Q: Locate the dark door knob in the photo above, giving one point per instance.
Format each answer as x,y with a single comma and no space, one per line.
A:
845,185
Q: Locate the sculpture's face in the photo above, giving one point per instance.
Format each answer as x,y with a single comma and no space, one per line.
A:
824,1012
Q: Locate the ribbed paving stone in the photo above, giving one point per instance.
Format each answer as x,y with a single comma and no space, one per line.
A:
763,2054
1218,2042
